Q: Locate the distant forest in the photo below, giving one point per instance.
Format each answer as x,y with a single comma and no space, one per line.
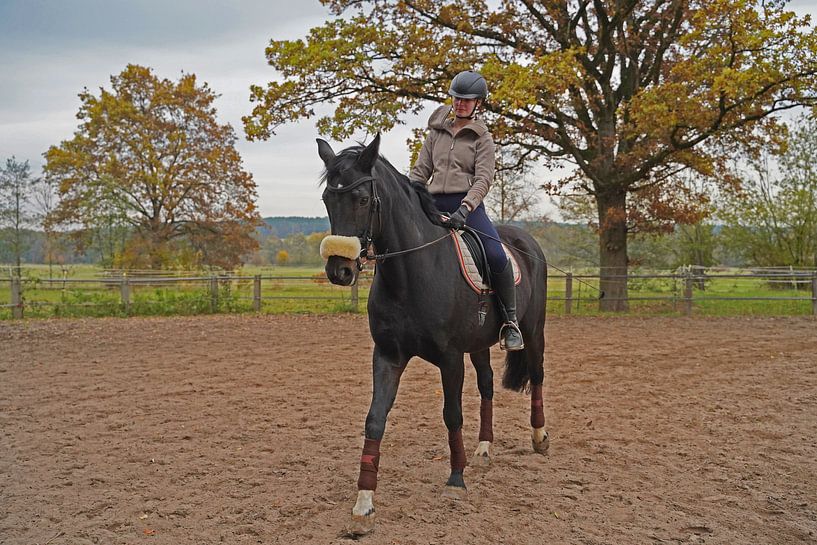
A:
295,241
274,230
283,227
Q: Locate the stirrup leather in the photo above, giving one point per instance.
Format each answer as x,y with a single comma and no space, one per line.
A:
502,332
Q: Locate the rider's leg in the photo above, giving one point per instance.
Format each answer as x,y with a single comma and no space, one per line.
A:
503,284
502,277
448,202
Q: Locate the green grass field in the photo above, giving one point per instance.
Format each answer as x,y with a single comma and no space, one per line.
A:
84,290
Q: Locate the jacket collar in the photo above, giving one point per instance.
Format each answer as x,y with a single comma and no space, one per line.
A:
440,120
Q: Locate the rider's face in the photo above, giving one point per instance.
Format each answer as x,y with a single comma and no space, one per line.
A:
464,107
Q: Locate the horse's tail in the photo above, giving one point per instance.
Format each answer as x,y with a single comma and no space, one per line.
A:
516,376
526,366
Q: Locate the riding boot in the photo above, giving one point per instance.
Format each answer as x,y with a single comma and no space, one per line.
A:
510,337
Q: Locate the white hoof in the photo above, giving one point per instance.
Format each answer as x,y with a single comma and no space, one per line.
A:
363,513
455,492
482,456
540,440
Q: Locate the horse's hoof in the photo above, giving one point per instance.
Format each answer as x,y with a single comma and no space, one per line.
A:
455,492
363,513
482,456
540,440
361,524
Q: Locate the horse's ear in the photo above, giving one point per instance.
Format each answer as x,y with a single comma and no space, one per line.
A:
365,161
325,151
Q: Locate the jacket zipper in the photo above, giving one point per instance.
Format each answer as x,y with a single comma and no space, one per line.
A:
448,165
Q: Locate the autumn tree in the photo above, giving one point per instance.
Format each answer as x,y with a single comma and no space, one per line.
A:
44,201
514,193
17,187
772,220
628,93
151,153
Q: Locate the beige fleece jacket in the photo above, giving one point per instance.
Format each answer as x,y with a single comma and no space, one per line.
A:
461,163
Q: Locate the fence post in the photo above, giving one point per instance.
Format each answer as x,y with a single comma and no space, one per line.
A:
675,291
814,293
124,293
688,294
213,294
354,296
568,293
256,293
16,298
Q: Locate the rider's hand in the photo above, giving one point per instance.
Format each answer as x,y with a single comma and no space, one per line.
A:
457,219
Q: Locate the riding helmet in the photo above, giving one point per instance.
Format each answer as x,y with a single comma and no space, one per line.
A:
468,84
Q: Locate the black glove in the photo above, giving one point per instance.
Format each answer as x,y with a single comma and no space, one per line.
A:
457,219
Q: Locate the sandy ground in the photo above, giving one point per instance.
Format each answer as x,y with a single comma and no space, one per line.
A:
245,429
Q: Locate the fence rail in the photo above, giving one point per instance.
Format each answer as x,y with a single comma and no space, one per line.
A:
686,292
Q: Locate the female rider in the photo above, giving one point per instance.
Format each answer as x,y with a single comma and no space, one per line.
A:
457,163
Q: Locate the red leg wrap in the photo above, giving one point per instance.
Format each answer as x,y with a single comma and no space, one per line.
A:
486,418
457,450
537,412
369,462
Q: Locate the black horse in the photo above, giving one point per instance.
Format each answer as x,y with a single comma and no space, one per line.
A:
419,305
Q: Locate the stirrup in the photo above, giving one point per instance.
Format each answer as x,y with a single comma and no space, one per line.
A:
503,331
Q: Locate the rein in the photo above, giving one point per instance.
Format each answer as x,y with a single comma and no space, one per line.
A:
401,252
366,237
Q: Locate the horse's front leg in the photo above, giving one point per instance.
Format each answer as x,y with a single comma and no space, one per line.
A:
386,373
485,383
453,371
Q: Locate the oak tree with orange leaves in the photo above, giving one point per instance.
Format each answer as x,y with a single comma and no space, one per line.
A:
630,92
151,153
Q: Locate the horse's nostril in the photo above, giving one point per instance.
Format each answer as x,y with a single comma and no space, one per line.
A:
341,271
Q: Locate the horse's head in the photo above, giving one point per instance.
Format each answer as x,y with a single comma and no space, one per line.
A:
351,202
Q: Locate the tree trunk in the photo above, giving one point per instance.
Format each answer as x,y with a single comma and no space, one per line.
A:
612,207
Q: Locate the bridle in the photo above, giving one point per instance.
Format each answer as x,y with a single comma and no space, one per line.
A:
374,208
366,237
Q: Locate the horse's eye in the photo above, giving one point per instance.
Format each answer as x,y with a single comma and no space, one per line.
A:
364,201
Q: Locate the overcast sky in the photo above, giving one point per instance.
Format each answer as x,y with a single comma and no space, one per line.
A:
51,49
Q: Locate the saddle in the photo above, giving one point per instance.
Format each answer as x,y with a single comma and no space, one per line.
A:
474,263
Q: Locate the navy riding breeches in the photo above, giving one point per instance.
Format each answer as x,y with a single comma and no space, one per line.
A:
478,220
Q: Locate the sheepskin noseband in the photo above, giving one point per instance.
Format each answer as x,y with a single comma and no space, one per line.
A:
348,247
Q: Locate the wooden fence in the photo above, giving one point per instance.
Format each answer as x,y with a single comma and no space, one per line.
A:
677,293
26,294
695,281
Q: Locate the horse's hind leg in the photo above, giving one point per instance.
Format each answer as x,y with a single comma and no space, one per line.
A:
539,435
386,372
535,355
452,371
485,383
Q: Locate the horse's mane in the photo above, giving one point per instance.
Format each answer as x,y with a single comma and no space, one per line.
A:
427,203
346,158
